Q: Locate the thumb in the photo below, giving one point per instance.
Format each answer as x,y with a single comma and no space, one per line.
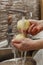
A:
33,21
16,40
17,45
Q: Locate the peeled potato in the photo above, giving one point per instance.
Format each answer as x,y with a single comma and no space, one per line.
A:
23,25
20,36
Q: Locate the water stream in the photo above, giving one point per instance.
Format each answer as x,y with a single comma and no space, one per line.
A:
24,58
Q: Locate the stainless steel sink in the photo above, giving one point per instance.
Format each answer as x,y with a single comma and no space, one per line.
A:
6,53
28,61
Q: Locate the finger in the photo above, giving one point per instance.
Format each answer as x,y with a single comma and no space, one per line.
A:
16,40
33,22
39,28
34,31
17,45
31,27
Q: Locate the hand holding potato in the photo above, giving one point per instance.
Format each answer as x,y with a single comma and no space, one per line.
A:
35,27
24,44
30,26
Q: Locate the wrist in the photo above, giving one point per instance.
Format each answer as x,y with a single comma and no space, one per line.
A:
33,45
36,45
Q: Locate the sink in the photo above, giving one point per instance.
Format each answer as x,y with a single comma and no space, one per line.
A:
28,61
6,53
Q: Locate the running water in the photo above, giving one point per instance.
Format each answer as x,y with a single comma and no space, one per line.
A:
21,54
14,51
24,59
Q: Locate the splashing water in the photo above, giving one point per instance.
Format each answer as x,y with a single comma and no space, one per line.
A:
23,61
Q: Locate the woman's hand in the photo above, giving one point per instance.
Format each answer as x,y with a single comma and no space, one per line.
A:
23,44
35,27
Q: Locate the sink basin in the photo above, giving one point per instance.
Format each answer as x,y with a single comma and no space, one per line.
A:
29,61
6,53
